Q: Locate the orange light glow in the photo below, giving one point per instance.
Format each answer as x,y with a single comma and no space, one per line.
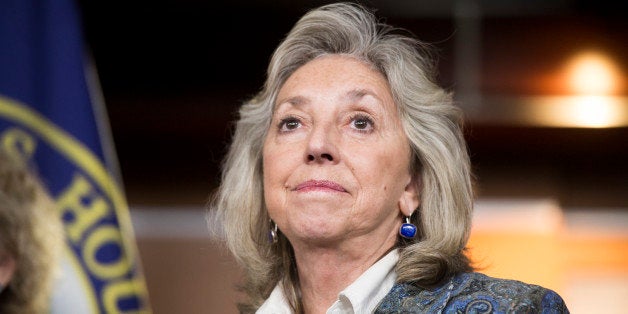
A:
582,255
593,73
584,111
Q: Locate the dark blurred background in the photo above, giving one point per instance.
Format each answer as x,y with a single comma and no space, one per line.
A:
174,72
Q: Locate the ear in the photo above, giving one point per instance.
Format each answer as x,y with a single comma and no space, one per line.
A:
7,268
409,200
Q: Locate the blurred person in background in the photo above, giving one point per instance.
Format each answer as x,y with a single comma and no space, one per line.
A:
347,187
31,238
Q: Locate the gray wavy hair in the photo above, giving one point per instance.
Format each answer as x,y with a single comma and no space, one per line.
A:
440,162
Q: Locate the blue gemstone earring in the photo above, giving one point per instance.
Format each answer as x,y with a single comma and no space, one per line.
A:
407,230
273,237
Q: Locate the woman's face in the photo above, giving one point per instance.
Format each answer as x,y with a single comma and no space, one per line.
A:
336,160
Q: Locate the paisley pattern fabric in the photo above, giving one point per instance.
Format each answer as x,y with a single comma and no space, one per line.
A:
472,293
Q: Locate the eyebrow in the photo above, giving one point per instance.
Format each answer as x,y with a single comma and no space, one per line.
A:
359,93
295,101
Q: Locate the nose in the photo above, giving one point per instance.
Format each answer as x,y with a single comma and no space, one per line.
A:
323,156
322,146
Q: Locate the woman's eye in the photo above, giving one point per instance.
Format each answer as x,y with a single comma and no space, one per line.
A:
288,124
362,123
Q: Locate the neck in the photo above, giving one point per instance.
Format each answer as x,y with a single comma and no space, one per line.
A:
324,271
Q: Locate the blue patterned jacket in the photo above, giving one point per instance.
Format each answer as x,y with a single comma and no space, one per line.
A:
472,293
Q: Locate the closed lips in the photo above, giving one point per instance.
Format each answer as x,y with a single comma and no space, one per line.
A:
320,184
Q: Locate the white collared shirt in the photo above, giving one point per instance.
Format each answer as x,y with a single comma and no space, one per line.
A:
362,296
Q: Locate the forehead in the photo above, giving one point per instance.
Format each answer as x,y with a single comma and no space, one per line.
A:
338,67
334,76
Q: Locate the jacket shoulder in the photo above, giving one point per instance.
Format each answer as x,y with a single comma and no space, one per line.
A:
473,293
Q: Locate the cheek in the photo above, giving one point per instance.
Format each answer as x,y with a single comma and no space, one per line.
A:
383,171
270,178
273,164
277,167
378,164
270,185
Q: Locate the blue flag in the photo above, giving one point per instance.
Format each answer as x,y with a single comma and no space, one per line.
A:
50,114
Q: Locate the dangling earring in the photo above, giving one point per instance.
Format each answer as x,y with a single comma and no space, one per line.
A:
273,236
407,230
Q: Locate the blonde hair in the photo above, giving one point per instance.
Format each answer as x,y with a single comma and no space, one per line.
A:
31,234
432,123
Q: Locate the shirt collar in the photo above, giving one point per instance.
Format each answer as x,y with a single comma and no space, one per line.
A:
369,289
276,303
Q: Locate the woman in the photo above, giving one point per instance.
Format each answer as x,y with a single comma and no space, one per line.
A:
31,237
347,186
